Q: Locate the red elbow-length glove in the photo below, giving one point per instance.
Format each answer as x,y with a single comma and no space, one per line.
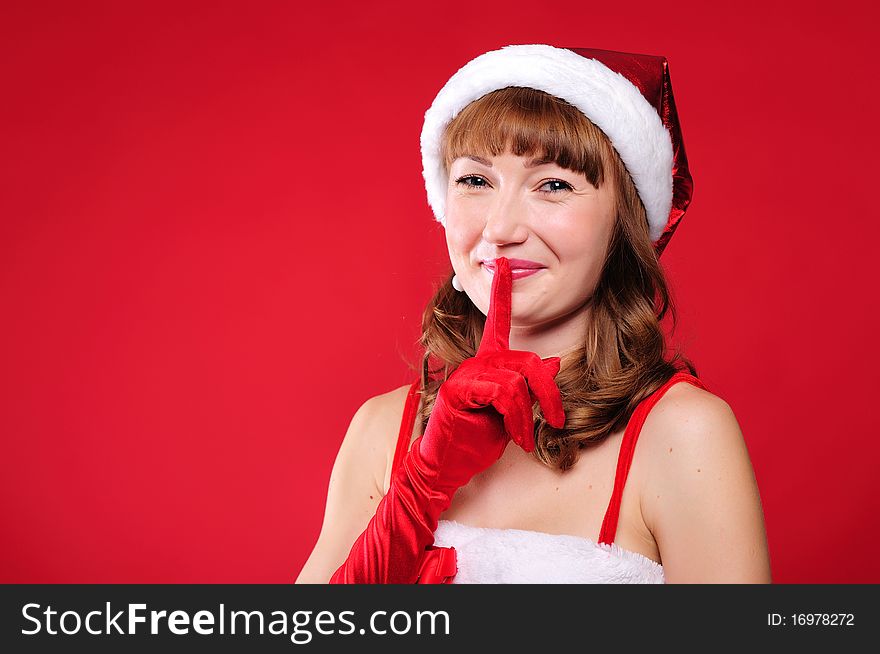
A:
484,403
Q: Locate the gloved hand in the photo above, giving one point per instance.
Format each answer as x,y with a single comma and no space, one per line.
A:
484,403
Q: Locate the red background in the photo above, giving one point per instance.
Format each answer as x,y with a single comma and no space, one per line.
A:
216,245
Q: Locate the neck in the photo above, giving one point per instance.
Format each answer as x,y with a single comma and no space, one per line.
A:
558,338
563,353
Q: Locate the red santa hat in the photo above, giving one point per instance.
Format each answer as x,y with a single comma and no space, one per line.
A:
628,96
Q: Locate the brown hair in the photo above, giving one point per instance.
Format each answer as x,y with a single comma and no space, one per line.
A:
622,358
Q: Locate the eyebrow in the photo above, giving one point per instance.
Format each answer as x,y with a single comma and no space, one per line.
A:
531,163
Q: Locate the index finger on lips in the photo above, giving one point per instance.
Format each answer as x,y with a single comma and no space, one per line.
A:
496,333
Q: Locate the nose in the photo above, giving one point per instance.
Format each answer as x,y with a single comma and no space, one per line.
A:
505,219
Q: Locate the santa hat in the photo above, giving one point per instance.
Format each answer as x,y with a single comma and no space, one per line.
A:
628,96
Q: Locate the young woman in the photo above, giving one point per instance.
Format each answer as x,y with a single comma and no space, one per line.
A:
559,176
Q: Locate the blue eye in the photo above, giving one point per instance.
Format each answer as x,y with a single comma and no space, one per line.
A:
460,180
465,181
566,186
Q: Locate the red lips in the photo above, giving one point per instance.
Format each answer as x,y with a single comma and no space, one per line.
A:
516,264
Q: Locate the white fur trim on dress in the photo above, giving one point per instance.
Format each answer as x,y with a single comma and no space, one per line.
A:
515,556
606,97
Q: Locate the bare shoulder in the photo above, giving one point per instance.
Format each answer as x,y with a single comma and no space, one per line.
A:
371,434
699,495
385,415
683,426
393,401
686,403
389,408
388,412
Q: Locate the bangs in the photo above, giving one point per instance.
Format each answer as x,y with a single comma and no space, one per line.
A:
528,122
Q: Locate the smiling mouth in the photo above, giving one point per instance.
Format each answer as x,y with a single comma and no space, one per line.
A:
515,273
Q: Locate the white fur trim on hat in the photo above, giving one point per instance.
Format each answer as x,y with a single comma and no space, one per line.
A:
606,97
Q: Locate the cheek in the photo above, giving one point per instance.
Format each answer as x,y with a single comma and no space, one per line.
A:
577,237
461,234
581,242
581,246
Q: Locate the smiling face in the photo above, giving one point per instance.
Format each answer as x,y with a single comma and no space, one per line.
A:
522,208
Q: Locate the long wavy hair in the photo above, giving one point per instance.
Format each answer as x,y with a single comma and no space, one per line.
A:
623,356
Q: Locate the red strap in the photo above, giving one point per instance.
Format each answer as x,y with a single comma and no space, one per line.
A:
628,446
406,425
